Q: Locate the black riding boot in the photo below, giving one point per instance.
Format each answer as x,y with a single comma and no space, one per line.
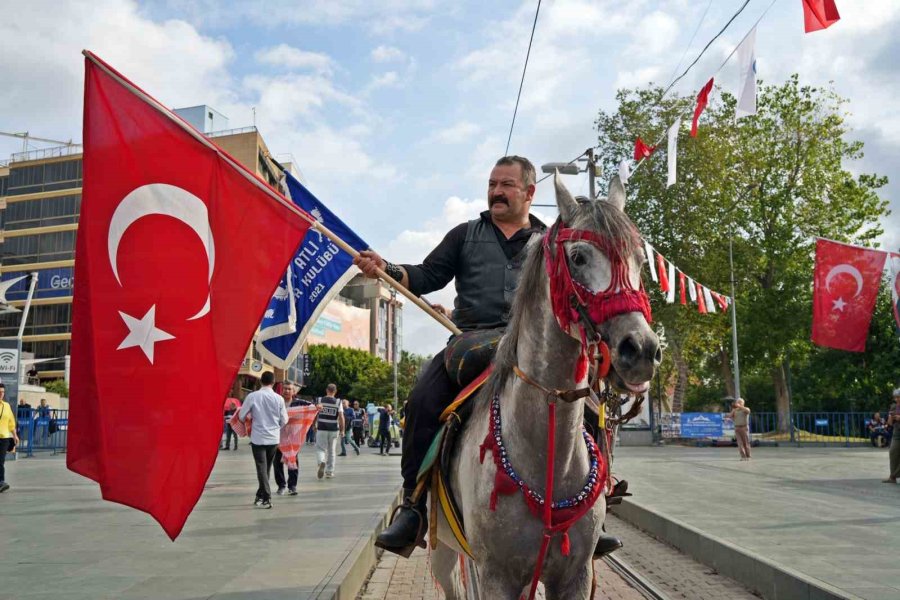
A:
408,527
606,544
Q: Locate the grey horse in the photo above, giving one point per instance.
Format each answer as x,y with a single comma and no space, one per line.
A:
505,542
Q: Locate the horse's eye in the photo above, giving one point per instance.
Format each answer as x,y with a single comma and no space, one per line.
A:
578,259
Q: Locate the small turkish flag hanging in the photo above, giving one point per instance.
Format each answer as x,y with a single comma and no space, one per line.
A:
844,291
681,278
702,100
819,14
642,150
169,295
663,276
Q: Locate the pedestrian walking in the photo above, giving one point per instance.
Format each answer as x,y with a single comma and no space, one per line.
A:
385,416
288,391
330,426
345,437
358,424
893,420
741,416
9,439
232,405
269,415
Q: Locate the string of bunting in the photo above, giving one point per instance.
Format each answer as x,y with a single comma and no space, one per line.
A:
664,272
817,15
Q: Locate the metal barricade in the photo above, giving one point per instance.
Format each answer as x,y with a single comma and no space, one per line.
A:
825,428
41,430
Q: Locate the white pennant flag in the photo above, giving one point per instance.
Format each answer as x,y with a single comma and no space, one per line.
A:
672,151
746,104
894,262
651,260
670,296
692,289
624,170
708,300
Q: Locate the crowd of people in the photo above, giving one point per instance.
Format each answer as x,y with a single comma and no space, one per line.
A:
335,421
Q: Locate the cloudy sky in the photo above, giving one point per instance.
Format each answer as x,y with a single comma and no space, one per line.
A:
395,110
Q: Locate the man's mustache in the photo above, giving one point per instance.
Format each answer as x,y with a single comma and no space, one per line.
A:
497,199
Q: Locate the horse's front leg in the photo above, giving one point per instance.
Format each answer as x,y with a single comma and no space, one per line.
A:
574,586
498,583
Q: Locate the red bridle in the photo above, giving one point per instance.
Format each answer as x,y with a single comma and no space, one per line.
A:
575,304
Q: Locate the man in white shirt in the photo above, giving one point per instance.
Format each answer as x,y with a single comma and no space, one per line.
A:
269,415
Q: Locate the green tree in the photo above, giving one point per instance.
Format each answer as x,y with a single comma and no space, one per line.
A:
771,182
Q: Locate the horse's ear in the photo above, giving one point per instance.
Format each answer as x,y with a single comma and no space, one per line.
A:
616,193
564,200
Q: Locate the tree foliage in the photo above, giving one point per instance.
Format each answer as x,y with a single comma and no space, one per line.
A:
359,375
771,183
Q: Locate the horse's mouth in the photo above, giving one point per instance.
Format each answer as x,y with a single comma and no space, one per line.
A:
628,388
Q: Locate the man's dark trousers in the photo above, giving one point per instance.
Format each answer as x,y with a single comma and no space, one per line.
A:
293,474
433,393
263,456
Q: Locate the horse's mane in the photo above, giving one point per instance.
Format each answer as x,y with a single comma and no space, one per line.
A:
599,216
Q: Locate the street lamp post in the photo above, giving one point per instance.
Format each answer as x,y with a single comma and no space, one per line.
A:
570,168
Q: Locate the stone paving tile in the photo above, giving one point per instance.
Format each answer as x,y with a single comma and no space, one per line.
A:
673,573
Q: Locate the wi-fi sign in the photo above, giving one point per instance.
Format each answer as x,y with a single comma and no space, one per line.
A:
8,361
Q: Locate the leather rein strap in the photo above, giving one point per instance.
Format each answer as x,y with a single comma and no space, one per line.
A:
564,395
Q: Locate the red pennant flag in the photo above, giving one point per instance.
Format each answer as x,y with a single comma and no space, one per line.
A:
844,292
170,293
663,277
681,278
642,150
701,302
819,14
720,300
702,100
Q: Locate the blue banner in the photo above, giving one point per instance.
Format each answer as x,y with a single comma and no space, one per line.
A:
51,283
701,425
318,272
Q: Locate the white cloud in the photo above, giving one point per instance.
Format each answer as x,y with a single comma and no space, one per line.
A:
458,133
384,80
289,57
383,54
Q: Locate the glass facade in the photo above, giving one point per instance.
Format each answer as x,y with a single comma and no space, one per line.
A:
42,212
46,177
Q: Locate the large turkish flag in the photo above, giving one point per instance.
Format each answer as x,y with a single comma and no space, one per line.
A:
179,251
844,291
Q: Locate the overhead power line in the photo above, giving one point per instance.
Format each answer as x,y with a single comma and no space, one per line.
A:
522,82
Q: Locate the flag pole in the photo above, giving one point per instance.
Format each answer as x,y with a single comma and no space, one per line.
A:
737,366
255,180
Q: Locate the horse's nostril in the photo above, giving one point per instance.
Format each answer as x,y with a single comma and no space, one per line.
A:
629,350
658,356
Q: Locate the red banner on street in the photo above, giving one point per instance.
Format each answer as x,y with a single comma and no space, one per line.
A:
179,251
845,287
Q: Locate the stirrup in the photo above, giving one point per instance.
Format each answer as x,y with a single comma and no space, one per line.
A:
619,491
406,551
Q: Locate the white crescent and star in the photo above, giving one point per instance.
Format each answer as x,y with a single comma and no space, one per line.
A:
158,199
839,304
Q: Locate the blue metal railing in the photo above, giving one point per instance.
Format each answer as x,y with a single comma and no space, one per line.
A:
846,428
41,430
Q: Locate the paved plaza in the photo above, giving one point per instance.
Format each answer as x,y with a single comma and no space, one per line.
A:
822,512
60,540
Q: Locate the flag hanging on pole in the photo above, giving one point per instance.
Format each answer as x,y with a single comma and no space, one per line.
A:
169,296
845,287
746,102
819,14
702,100
642,150
318,272
672,151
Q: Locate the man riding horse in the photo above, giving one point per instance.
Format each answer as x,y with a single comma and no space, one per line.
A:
484,256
